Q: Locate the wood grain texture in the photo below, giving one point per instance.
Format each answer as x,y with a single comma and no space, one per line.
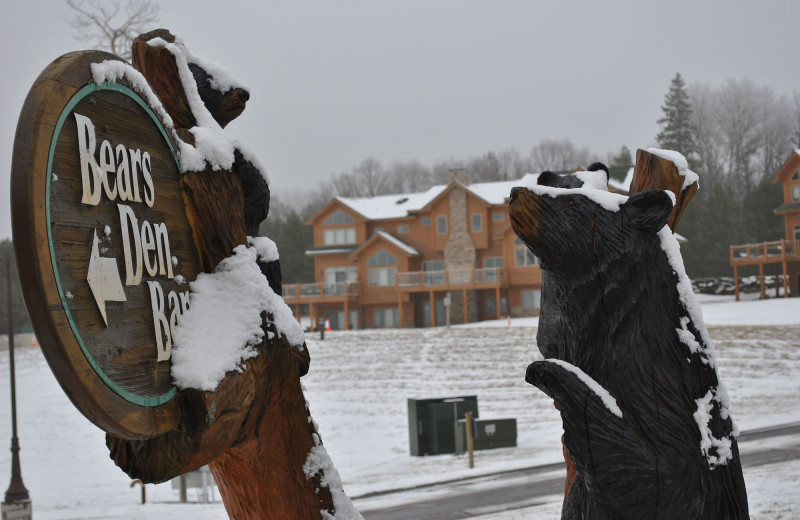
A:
655,173
254,430
72,226
611,308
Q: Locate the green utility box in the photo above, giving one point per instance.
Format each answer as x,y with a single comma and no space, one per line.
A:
432,423
487,434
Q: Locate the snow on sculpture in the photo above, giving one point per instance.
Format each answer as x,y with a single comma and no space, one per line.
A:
239,353
622,327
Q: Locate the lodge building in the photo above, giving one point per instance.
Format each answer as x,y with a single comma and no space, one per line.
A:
784,254
398,260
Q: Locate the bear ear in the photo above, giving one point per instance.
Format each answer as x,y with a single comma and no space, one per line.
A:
649,210
547,178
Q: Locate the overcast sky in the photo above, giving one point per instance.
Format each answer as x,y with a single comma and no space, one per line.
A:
334,82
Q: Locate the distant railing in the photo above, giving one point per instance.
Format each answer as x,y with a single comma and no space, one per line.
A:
490,276
320,290
765,252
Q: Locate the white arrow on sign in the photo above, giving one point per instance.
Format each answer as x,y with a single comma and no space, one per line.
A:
104,280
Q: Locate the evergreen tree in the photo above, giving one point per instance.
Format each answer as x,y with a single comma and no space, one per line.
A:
677,132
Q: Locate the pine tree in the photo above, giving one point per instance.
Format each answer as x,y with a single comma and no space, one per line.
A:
677,132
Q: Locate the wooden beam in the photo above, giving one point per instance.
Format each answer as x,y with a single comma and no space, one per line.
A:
433,310
400,307
761,277
497,300
736,281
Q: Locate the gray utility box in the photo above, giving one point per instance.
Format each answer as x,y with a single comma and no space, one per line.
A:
432,423
487,434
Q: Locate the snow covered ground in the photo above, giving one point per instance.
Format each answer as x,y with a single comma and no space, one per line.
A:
357,389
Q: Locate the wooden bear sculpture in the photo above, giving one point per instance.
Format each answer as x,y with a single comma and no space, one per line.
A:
254,430
628,358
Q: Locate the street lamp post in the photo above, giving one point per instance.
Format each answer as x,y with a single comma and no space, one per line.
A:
17,502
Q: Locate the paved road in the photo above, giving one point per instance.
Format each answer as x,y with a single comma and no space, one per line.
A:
475,496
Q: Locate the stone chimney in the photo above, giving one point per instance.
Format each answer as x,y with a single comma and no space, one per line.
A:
460,175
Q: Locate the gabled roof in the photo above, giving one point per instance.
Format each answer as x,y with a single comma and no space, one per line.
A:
402,205
499,192
383,235
329,251
789,167
390,206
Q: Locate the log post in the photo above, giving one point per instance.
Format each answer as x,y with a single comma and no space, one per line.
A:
254,431
655,173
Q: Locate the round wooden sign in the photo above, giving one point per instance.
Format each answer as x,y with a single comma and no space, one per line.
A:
104,248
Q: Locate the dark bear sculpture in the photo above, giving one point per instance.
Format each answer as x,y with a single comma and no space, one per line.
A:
225,107
627,357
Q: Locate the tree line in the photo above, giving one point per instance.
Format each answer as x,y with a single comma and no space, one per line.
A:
735,136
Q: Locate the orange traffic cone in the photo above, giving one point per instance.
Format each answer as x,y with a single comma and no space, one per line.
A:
509,320
33,341
327,325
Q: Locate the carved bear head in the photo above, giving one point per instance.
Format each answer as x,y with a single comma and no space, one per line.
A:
576,230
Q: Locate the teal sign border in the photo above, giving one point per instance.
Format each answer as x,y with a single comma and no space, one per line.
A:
82,93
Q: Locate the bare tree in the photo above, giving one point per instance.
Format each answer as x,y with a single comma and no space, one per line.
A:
371,177
559,156
107,26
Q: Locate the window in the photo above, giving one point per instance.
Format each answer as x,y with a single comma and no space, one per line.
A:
531,299
796,192
387,317
477,222
434,272
493,261
376,230
381,258
497,216
523,255
334,237
441,225
339,218
382,276
340,274
402,229
425,221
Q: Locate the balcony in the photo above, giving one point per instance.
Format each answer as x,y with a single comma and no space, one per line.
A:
764,253
318,292
453,279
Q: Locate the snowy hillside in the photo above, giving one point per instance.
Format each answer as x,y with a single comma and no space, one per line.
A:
357,389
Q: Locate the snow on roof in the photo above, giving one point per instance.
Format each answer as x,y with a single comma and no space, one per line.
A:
311,252
399,243
498,192
398,206
624,185
391,206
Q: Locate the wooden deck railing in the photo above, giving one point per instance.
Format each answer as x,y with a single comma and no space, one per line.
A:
320,291
764,253
456,278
